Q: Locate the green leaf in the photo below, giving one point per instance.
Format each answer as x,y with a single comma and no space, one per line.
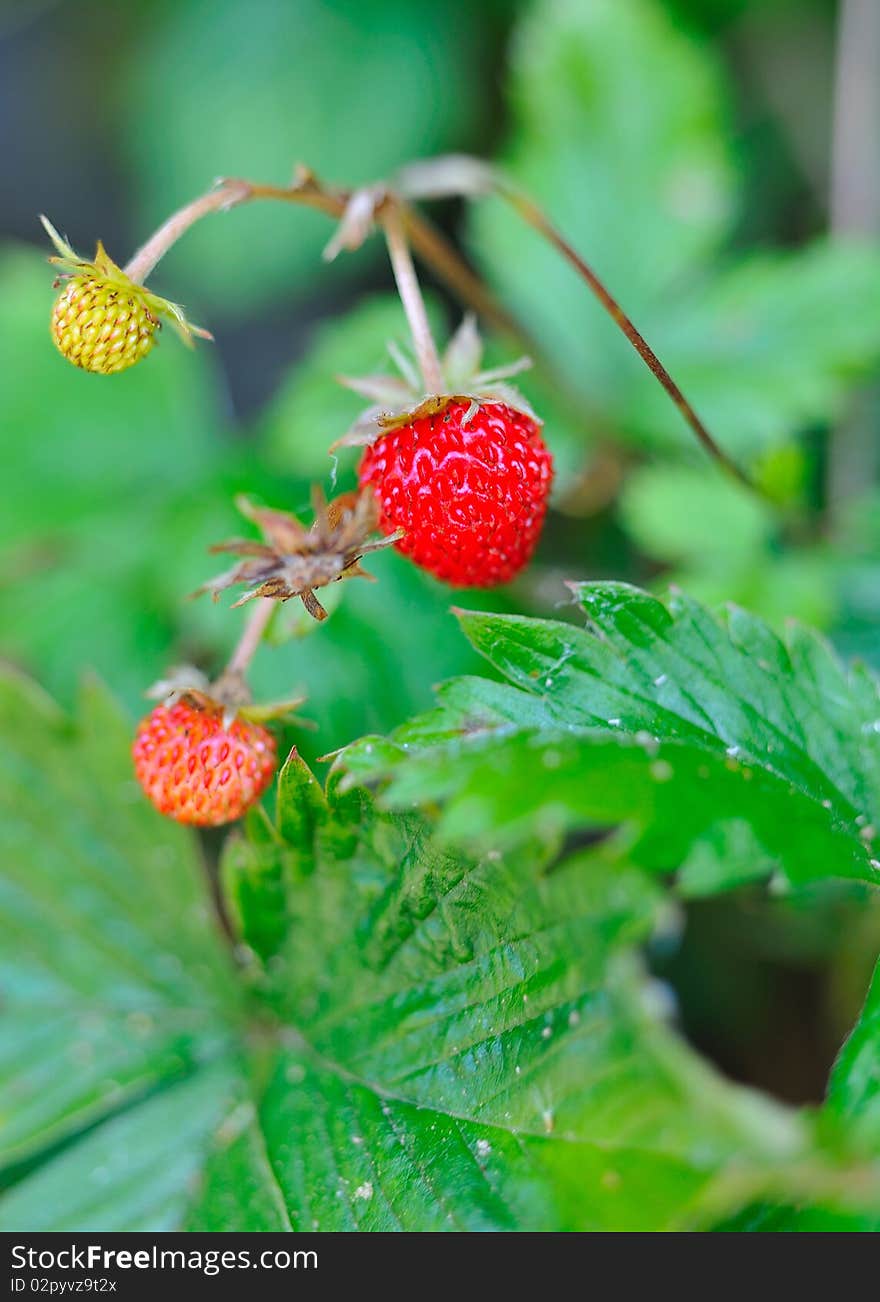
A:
854,1089
477,1049
254,870
661,717
239,1188
254,891
114,984
442,1040
131,1174
301,806
371,1162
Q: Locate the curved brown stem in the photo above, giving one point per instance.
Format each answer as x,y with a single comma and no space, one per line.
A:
251,637
533,215
471,177
427,242
225,195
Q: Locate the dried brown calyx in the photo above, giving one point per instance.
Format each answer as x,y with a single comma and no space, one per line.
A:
229,693
400,399
294,560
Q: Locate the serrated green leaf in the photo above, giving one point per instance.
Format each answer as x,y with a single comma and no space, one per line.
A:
134,1172
451,1041
660,716
113,983
476,1049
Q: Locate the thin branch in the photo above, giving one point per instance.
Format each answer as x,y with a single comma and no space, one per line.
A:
251,637
854,203
411,297
306,190
855,147
224,196
433,248
533,215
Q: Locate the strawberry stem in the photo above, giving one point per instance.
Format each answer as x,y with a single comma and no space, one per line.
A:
309,192
226,195
535,218
461,175
411,297
251,637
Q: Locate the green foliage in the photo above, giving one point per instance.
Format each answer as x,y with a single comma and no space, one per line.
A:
436,1007
476,1046
444,1036
659,716
119,1005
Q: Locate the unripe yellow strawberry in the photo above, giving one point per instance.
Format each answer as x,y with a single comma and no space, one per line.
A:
100,327
103,321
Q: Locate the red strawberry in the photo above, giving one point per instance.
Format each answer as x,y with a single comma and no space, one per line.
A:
470,490
196,769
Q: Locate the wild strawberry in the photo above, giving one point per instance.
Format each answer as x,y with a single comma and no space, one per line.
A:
464,474
102,321
468,487
199,767
100,327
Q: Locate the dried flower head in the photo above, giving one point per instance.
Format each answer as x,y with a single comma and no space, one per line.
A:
295,560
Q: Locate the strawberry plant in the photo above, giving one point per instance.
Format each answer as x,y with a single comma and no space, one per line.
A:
431,972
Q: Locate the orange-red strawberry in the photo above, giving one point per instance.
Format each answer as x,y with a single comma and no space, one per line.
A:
199,768
469,487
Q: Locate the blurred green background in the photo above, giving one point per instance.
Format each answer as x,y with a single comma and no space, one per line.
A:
718,161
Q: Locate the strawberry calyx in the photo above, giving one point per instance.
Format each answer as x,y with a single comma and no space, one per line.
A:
398,400
229,694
